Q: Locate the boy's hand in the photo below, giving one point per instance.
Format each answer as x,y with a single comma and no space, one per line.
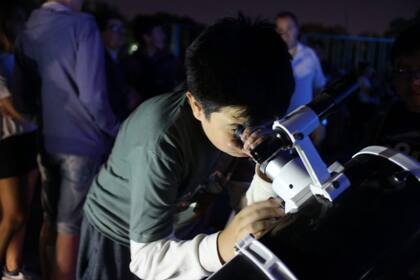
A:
253,136
254,219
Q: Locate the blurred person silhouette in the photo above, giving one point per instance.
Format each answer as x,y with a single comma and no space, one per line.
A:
112,26
363,105
60,60
397,124
309,77
18,150
152,69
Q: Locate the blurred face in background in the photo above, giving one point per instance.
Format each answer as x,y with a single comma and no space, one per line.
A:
156,38
406,78
115,35
288,30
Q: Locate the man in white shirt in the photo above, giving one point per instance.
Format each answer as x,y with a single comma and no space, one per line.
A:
307,70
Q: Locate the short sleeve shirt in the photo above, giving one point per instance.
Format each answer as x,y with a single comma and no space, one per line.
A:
308,76
161,154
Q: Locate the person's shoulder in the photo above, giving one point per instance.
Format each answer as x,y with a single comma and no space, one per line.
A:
64,14
157,116
159,128
163,102
84,20
83,24
84,17
308,51
73,19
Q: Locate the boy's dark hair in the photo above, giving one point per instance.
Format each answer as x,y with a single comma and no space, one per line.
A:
239,62
287,14
407,42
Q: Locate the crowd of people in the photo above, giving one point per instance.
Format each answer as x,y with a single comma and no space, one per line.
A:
132,150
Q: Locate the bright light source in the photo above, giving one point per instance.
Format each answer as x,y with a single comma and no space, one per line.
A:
133,48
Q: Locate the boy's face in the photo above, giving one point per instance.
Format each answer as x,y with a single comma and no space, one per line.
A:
407,80
220,127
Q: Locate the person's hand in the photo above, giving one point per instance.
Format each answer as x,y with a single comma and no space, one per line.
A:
7,109
254,219
253,136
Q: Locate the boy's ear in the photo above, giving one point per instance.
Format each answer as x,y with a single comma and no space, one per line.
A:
196,106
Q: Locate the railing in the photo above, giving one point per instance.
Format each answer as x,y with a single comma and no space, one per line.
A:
345,52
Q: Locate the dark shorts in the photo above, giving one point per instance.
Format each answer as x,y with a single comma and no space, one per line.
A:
18,155
66,180
100,258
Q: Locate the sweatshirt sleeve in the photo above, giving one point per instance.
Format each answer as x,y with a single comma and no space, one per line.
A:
259,190
91,79
175,259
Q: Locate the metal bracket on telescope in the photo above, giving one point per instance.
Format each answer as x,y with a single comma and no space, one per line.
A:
264,259
297,179
307,175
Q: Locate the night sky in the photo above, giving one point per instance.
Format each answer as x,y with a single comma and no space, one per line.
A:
357,16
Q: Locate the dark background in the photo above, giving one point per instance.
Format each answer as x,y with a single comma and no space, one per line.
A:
356,16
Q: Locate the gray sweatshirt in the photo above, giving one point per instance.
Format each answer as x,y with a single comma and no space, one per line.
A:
60,67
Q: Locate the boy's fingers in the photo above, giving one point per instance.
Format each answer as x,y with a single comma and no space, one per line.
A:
247,132
261,214
259,234
255,136
257,229
273,202
262,210
271,224
252,138
250,131
250,145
